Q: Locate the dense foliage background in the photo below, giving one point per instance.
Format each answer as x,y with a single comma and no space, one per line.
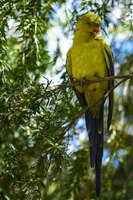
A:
42,153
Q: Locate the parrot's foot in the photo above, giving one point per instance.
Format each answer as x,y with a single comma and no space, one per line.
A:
83,81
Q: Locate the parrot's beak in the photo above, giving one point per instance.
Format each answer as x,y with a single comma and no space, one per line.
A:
96,30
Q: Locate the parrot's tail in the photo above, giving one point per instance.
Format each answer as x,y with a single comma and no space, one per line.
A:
95,130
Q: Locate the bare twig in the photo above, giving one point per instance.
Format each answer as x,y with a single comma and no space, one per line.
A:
87,82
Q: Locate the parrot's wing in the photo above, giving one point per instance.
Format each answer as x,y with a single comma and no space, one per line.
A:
110,66
79,95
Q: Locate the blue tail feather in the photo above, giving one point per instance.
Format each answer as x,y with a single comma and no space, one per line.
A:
98,162
94,127
95,130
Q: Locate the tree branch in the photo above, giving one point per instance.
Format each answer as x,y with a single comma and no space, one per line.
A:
87,82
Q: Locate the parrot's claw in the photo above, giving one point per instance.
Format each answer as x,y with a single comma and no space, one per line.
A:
83,81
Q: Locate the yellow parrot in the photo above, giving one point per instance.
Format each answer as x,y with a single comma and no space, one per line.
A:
90,58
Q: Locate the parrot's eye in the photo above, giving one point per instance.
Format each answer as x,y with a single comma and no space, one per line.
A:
88,22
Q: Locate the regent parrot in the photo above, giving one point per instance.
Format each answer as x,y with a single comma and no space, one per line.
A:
90,58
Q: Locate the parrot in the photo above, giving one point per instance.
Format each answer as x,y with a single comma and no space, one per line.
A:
90,58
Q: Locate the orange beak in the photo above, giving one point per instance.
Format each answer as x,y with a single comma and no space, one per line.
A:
96,30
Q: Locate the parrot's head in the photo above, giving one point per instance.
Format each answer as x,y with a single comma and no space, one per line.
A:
90,21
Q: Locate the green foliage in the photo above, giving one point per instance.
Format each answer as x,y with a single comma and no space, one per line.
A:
38,121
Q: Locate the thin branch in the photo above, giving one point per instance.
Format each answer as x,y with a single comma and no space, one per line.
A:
111,90
35,31
87,82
